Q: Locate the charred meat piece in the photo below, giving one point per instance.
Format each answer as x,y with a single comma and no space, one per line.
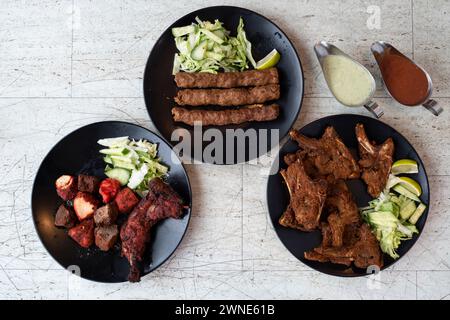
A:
227,97
83,233
126,200
65,217
246,78
256,112
84,205
160,202
363,253
343,223
308,163
88,184
106,215
108,189
330,155
66,187
106,236
340,200
376,161
307,198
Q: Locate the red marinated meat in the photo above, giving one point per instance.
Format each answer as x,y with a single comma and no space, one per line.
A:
83,233
84,205
66,187
109,188
161,202
126,200
65,217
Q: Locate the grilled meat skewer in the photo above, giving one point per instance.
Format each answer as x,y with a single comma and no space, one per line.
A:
256,112
227,97
247,78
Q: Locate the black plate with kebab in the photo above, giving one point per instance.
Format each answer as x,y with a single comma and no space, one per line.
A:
78,153
299,242
160,87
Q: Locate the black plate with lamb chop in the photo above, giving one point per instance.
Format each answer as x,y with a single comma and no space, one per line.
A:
111,201
348,195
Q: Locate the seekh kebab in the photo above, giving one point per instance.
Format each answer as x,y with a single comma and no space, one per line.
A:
249,78
256,112
228,97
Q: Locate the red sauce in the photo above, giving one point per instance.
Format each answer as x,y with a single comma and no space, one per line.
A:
406,82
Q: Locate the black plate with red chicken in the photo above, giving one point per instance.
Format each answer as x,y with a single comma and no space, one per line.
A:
90,222
327,171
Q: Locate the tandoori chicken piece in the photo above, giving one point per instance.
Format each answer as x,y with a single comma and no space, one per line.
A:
307,198
330,155
161,202
376,161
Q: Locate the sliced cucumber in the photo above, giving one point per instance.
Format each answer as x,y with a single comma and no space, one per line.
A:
216,56
403,191
122,175
418,213
407,209
113,142
181,31
107,159
115,151
122,164
199,51
212,36
122,158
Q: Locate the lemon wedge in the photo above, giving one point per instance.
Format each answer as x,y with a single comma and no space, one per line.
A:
404,166
268,61
410,185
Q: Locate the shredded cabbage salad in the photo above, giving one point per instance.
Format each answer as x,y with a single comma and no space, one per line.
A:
208,47
393,215
133,163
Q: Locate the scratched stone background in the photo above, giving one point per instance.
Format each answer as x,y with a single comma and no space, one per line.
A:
67,63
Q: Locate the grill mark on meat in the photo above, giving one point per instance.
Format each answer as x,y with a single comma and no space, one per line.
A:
257,112
228,97
161,202
227,79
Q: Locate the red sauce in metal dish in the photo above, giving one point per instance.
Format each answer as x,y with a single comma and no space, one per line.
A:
406,82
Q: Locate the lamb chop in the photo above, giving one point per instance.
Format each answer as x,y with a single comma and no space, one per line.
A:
376,161
344,237
307,198
330,155
364,252
161,202
343,216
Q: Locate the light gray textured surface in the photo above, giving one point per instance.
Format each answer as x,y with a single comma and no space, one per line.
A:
60,71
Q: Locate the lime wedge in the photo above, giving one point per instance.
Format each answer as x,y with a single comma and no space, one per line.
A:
404,166
411,185
268,61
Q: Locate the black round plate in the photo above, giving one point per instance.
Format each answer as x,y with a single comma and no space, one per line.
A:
78,153
298,242
160,87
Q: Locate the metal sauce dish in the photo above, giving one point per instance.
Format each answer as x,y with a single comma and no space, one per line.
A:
324,49
380,50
